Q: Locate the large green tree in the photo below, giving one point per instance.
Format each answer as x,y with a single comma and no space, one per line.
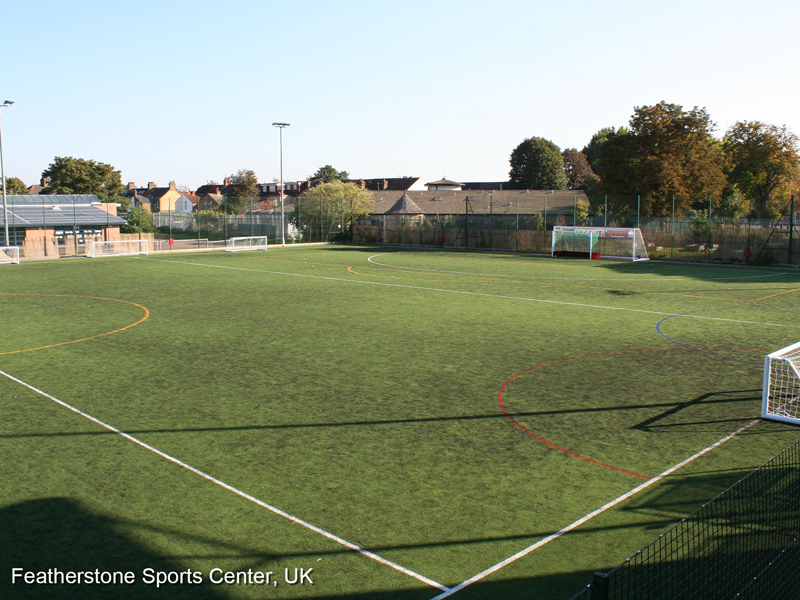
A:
331,207
537,164
68,175
594,148
668,153
139,220
763,161
243,194
15,185
328,173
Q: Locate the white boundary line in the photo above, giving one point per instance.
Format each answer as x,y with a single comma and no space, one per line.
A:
236,491
590,516
566,278
432,289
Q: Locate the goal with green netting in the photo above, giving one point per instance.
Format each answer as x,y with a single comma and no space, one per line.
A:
780,397
599,242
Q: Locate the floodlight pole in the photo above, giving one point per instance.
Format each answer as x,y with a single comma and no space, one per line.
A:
5,104
283,223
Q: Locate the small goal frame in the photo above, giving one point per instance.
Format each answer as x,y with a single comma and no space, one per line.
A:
625,243
9,255
119,248
780,396
251,242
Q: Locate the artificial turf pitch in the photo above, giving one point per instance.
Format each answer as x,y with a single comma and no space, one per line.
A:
440,411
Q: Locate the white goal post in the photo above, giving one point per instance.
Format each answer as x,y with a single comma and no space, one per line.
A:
780,397
9,255
598,242
118,248
235,244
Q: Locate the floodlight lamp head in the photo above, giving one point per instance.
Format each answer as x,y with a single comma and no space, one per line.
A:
280,125
8,103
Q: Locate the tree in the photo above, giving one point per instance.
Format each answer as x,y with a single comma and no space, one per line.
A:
68,175
331,206
327,174
243,194
594,148
15,185
140,220
762,160
578,170
537,164
668,153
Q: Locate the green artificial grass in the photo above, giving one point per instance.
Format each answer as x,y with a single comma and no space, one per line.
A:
357,389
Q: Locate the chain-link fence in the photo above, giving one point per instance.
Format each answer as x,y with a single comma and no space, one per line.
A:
743,544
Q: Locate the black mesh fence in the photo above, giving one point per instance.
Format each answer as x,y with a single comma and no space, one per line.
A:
743,544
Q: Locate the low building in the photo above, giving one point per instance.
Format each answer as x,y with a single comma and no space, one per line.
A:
41,222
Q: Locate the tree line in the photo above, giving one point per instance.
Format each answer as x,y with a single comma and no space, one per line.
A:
668,154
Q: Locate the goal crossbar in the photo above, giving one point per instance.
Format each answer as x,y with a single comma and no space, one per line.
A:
780,396
598,242
236,244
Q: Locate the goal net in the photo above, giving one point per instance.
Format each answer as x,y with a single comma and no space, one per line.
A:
246,243
9,255
599,242
118,248
780,398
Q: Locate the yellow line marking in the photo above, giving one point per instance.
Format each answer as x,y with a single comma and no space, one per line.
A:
778,294
146,315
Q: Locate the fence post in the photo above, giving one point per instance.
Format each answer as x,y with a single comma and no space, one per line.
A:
672,244
600,586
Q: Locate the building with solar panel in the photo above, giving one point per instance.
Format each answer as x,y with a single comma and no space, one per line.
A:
60,224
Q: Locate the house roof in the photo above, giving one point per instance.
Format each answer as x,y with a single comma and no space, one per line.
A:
405,206
454,202
211,188
397,184
443,181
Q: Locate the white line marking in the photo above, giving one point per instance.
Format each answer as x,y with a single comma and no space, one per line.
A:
230,488
633,279
431,289
590,516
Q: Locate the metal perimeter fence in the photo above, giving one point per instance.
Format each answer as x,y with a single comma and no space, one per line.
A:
743,544
755,241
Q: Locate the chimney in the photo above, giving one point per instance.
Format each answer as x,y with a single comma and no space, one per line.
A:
172,185
45,181
217,192
363,183
227,181
151,185
385,184
131,185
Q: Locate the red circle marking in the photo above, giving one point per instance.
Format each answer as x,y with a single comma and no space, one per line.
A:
555,446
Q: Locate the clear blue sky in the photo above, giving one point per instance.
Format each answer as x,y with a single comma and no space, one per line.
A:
188,90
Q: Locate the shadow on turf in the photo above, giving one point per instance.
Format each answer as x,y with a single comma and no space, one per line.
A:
648,425
58,533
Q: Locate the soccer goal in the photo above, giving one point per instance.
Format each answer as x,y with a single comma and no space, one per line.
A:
9,255
780,398
599,242
236,244
118,248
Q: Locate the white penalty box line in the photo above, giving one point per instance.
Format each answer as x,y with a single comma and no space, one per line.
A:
590,516
230,488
